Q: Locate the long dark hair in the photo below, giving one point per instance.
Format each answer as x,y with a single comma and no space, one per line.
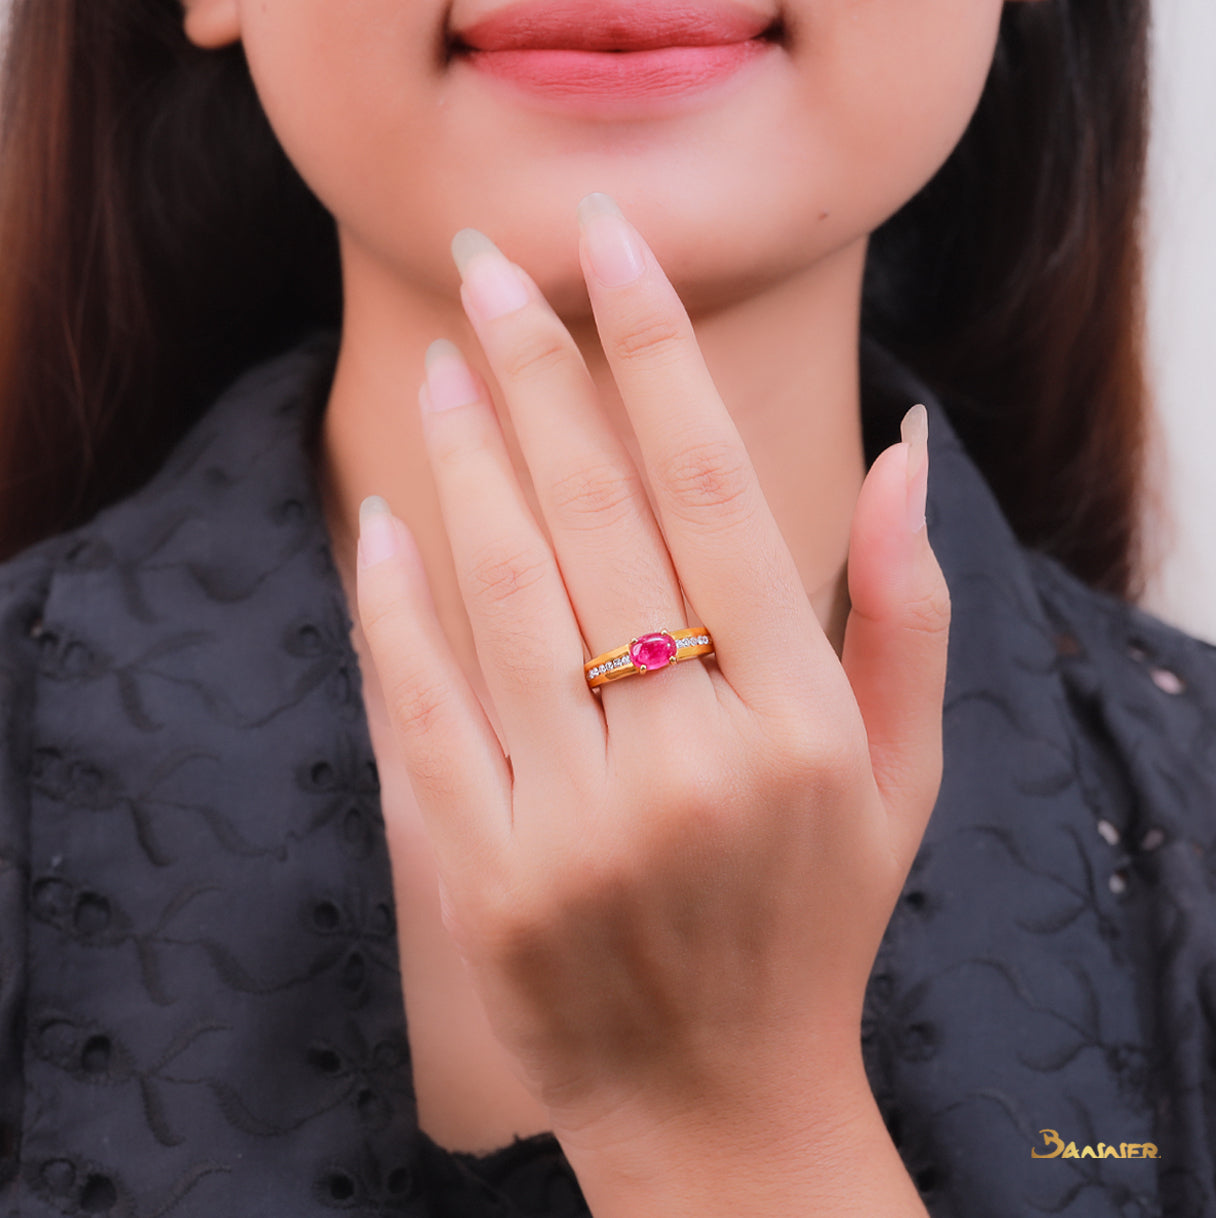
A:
155,241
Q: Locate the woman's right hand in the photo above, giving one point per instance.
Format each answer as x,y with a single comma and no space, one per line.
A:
670,894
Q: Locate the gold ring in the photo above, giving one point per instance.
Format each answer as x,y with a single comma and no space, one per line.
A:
648,653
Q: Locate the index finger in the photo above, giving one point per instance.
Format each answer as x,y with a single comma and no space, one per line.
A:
732,560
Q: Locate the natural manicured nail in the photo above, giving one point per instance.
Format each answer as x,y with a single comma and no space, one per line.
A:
914,431
492,286
449,382
614,250
377,532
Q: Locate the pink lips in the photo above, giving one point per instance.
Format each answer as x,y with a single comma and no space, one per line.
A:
614,53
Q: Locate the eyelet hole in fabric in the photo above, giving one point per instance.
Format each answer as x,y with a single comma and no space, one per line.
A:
1152,840
96,1054
919,1042
400,1182
288,512
340,1186
1168,681
59,1176
382,919
99,1195
324,1060
92,913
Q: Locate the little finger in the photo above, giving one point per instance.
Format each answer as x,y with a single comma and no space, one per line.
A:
457,769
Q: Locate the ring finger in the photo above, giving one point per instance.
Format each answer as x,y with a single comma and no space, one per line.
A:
528,642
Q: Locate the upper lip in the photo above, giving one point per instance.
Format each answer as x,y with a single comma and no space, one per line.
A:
611,25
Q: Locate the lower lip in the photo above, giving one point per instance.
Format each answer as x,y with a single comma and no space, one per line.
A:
609,79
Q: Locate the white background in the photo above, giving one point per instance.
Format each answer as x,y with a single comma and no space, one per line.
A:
1182,312
1182,308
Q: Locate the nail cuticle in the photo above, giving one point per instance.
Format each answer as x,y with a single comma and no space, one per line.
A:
613,251
377,532
492,285
449,382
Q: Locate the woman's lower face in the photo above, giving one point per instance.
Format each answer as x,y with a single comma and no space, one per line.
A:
746,138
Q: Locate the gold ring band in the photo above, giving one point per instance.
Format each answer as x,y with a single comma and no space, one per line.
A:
648,653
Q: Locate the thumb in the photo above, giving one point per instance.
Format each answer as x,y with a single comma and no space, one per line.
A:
895,638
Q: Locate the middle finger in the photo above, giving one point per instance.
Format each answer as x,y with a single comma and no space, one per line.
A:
618,573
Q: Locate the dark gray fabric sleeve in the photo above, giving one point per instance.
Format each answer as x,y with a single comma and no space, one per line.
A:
24,582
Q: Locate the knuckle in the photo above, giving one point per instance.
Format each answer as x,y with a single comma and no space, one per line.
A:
535,354
812,757
595,497
498,576
929,612
462,449
710,476
471,916
655,341
453,450
690,792
838,763
379,614
416,703
509,923
522,659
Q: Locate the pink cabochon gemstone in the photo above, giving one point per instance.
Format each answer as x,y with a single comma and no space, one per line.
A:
653,651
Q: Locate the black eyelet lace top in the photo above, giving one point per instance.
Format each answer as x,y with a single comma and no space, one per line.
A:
200,1004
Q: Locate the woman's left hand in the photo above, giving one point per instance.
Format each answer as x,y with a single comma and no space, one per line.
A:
670,893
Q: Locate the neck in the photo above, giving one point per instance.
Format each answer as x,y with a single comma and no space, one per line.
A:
784,359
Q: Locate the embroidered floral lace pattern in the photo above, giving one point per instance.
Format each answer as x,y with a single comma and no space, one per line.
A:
200,1006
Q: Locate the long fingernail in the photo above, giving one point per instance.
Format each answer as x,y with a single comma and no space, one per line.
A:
449,382
614,249
493,287
377,532
914,431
